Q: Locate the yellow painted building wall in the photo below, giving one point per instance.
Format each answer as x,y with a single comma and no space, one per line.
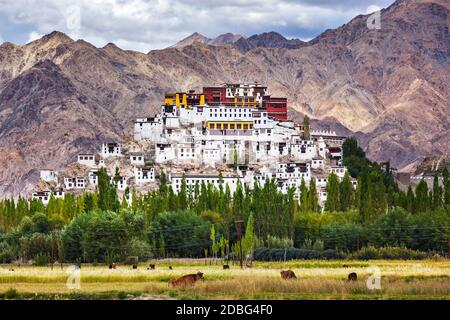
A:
232,125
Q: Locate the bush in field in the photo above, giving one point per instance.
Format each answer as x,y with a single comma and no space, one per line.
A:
393,229
275,242
140,249
389,253
344,237
40,223
367,253
267,254
431,231
41,260
6,254
181,233
72,236
104,231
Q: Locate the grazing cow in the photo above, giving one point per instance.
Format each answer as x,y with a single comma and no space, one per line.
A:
135,266
352,276
170,268
112,266
11,269
187,280
226,267
151,267
288,275
345,266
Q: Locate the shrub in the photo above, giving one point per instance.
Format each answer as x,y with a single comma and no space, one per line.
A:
141,249
277,254
180,233
389,253
11,294
40,223
276,242
41,260
6,254
367,253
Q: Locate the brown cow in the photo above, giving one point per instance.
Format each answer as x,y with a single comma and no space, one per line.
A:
151,267
352,276
288,275
226,267
112,266
135,266
187,280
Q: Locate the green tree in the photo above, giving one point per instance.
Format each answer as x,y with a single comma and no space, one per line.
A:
313,198
306,128
422,198
182,195
346,197
332,203
249,239
446,181
437,193
304,206
104,193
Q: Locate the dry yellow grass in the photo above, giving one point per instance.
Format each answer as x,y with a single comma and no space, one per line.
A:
316,280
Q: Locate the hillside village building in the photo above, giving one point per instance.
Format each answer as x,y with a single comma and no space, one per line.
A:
224,135
48,175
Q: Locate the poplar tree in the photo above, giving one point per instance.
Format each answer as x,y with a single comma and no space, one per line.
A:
445,175
422,199
313,198
303,197
306,128
104,193
437,193
162,182
410,200
249,239
88,202
378,194
182,195
346,193
332,204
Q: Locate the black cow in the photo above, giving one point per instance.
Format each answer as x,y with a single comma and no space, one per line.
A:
352,276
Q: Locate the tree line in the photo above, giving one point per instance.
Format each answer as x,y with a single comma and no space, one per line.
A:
199,221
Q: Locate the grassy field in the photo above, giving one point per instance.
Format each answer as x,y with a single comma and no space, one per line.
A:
316,280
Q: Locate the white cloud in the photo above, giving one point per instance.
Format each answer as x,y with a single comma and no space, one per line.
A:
34,36
372,8
150,24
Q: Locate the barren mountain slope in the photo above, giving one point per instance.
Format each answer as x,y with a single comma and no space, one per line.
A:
389,86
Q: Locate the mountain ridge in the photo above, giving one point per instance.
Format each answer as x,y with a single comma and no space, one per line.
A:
387,87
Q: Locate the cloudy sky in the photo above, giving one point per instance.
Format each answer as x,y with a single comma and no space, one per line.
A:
152,24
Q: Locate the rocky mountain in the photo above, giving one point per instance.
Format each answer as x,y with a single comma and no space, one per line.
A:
267,40
223,39
193,38
388,87
243,44
227,38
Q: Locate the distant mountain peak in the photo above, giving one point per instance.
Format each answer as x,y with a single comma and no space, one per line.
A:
270,39
193,38
57,35
226,38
